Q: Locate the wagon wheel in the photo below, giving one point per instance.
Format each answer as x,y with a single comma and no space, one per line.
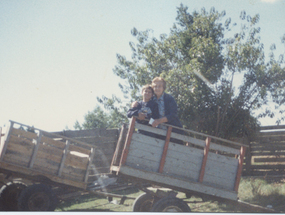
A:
170,204
37,197
9,195
143,203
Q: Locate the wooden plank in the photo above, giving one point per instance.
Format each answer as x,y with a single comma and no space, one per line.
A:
212,137
167,181
76,161
34,154
221,148
16,158
50,150
267,153
49,166
182,168
269,159
272,147
49,156
145,151
98,132
239,171
69,170
229,161
225,181
151,129
50,141
128,141
45,133
268,166
90,159
32,172
271,127
142,163
119,147
188,139
70,174
271,133
25,134
80,149
165,149
98,140
178,161
218,168
185,153
147,140
23,146
6,141
220,173
204,161
61,166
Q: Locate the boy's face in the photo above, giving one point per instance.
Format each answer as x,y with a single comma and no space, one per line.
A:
158,88
147,94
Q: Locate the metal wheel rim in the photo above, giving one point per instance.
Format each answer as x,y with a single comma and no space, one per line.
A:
39,202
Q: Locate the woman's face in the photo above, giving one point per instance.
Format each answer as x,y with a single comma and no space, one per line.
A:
158,88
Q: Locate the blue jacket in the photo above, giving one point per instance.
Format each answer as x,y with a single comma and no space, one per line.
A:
151,109
171,111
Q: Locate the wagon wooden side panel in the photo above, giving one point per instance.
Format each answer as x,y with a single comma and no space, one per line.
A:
204,164
34,152
105,142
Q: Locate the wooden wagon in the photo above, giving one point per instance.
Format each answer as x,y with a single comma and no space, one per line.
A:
38,166
204,166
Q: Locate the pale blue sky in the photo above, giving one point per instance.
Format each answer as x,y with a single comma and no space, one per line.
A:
57,56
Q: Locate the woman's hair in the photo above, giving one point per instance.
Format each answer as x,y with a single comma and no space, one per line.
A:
156,79
147,87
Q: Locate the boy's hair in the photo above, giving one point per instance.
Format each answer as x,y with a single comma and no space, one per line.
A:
149,87
156,79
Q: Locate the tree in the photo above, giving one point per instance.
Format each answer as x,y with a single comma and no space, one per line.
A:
201,66
99,118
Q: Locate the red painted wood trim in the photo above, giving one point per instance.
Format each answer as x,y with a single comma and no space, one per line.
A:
167,139
239,171
128,141
206,152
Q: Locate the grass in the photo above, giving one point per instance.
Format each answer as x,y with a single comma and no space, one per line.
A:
263,192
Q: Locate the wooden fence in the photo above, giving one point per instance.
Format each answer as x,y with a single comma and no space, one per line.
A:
266,154
105,141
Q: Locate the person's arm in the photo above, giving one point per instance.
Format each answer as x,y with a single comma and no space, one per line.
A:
159,121
134,111
170,108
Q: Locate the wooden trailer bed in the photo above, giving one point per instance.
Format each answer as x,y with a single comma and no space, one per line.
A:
204,165
34,152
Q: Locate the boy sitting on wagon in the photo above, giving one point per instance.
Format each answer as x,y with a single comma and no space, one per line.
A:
145,109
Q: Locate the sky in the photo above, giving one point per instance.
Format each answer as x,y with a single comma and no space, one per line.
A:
58,56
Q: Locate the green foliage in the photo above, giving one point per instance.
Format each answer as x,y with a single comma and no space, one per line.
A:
98,118
200,59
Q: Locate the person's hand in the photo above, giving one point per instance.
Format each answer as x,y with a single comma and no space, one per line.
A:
134,104
141,116
155,123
